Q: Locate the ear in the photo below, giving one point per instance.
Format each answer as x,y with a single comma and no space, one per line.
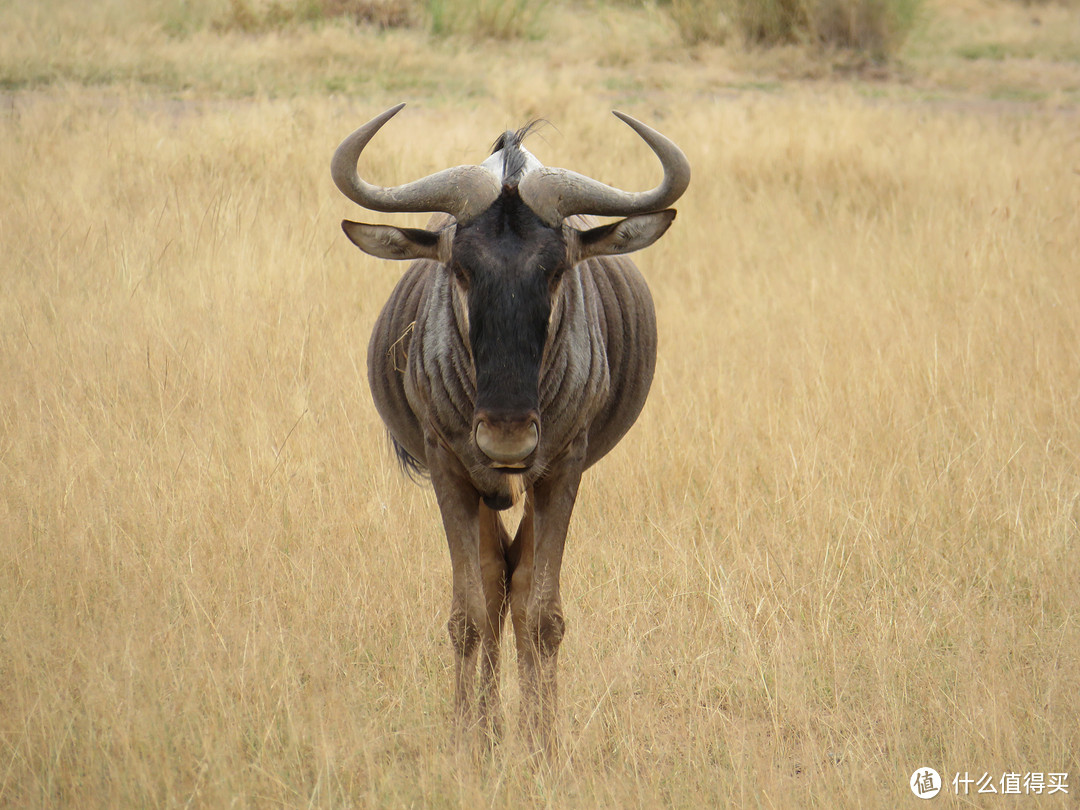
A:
389,242
624,236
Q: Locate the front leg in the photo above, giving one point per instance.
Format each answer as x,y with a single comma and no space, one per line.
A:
459,504
535,601
493,567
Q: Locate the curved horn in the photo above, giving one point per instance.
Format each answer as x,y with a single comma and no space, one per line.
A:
557,193
463,192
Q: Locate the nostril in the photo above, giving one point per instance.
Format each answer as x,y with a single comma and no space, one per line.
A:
507,441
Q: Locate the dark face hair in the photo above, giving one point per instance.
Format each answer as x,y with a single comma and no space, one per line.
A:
510,265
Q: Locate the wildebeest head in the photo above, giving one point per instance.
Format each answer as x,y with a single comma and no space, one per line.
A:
508,248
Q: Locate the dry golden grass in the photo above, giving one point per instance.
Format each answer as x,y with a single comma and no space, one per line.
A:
840,543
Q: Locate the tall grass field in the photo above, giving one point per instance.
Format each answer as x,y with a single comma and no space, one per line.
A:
840,546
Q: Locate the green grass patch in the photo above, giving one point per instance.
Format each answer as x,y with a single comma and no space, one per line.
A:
1014,93
487,19
994,51
876,28
254,16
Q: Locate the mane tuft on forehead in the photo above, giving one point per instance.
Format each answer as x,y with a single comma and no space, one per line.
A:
516,159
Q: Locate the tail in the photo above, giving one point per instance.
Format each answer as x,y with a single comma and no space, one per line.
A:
410,464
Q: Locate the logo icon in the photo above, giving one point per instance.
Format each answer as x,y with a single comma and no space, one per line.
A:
925,783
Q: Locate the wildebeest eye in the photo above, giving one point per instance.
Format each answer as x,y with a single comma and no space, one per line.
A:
461,275
554,274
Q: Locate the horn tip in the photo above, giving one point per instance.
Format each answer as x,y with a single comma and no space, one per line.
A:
634,124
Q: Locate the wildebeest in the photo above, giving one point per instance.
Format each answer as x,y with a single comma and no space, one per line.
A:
516,351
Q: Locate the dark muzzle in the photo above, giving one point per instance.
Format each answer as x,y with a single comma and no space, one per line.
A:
507,440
